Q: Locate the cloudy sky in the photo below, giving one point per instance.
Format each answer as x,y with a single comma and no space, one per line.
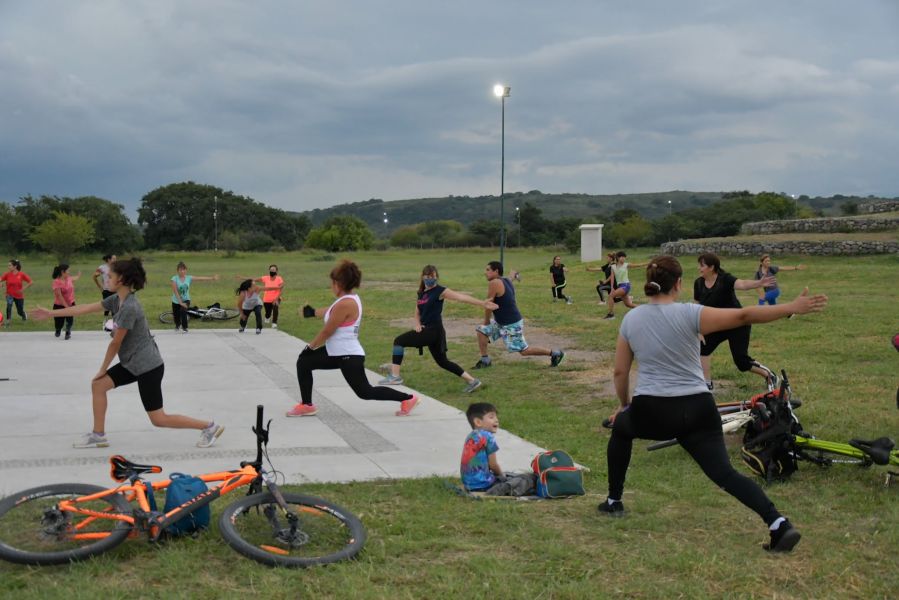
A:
309,104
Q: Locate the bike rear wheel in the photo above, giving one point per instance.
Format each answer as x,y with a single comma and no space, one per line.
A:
257,528
224,314
167,317
34,532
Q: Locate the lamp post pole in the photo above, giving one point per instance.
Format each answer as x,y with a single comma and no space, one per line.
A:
502,91
385,225
518,218
215,223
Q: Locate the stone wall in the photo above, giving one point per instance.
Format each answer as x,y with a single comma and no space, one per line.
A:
823,225
752,248
878,207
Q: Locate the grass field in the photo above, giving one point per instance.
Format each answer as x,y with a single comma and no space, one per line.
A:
682,537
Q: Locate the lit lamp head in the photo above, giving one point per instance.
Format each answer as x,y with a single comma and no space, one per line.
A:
501,91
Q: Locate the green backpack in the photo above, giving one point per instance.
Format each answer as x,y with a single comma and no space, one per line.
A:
557,477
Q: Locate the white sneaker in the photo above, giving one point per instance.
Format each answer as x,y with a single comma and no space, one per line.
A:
274,325
209,435
92,440
268,320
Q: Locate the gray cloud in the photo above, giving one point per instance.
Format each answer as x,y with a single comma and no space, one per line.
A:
305,105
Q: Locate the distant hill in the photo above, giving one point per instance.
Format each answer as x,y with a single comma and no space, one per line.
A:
468,209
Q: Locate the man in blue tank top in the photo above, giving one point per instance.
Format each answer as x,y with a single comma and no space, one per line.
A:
505,321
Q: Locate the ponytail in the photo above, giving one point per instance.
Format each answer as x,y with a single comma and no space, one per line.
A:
662,274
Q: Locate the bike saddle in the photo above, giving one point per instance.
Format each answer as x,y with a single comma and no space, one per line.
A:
122,469
878,450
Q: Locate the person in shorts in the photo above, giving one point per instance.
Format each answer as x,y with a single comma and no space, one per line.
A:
139,357
506,322
621,285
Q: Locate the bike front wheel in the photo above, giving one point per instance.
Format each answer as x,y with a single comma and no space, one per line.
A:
325,533
33,531
167,317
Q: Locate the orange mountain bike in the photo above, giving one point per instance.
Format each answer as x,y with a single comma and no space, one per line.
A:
57,524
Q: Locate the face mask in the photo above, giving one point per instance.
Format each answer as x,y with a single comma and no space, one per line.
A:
430,281
273,273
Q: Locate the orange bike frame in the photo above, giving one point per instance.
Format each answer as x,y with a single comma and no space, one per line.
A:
230,480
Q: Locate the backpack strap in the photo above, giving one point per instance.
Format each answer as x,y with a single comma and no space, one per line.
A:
151,498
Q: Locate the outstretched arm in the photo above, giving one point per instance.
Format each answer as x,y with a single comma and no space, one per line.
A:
40,314
721,319
199,278
751,284
449,294
76,277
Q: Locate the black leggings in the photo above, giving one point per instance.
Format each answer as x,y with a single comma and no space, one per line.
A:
58,321
738,339
695,422
106,294
432,336
180,314
557,290
271,311
353,370
245,316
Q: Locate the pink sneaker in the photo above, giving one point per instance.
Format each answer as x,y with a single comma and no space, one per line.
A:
406,406
302,410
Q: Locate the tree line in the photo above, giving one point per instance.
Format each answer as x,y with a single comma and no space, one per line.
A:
191,216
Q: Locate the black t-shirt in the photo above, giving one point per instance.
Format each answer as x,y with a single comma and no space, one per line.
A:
720,295
430,306
558,273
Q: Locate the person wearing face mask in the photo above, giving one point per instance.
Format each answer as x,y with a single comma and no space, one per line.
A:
271,299
429,331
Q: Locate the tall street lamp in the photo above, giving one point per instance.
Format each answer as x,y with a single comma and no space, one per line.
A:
502,92
215,223
518,218
385,225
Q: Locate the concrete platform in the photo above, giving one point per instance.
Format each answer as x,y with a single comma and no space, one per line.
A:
220,375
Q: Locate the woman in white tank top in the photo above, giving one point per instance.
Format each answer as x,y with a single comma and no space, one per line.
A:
336,346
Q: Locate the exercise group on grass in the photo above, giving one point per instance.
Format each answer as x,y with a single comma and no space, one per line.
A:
671,341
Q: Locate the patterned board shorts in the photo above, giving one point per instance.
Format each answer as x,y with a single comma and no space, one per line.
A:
512,334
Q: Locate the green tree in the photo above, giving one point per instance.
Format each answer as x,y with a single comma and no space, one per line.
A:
633,231
13,230
406,237
189,211
341,233
64,234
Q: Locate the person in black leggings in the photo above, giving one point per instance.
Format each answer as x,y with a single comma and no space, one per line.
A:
337,346
671,399
717,288
429,332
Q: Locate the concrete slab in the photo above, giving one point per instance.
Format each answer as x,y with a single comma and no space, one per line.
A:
220,375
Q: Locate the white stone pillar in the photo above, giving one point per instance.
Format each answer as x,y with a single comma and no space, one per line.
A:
591,242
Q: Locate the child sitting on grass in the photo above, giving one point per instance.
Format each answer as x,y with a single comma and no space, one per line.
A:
480,470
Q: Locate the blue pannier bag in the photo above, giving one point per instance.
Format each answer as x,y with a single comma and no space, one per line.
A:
185,488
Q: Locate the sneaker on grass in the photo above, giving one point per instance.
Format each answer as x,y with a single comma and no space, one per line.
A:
482,364
556,358
783,539
611,509
92,440
209,435
302,410
475,384
391,380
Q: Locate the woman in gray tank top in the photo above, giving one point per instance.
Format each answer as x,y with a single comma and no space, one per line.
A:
671,400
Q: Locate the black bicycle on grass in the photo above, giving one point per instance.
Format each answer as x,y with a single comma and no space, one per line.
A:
775,441
58,524
213,312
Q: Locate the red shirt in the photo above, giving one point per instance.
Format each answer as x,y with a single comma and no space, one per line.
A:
66,289
13,281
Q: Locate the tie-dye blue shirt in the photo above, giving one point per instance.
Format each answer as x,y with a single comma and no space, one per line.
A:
476,473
